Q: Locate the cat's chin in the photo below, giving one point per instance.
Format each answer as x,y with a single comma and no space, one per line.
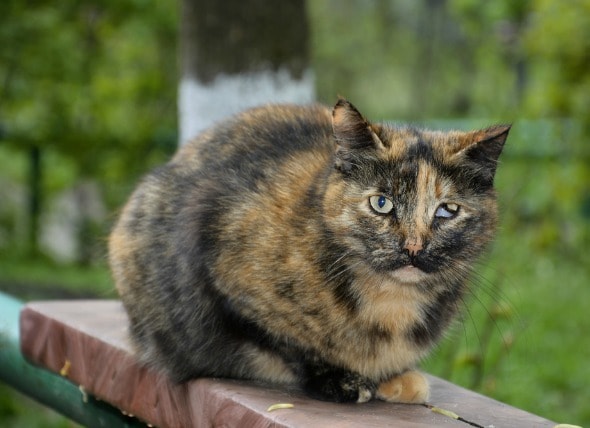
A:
409,274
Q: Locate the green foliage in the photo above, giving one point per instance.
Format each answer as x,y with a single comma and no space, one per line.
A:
17,411
413,60
93,84
455,58
92,81
558,46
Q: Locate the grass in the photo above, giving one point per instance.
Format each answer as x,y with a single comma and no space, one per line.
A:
19,411
40,278
526,345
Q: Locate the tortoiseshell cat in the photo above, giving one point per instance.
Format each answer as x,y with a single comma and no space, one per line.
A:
294,245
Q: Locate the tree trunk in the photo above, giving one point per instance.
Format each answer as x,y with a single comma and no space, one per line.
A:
34,198
240,53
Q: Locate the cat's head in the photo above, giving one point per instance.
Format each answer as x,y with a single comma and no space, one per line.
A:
412,203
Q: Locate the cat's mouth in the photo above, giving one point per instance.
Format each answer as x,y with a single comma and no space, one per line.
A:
405,269
409,274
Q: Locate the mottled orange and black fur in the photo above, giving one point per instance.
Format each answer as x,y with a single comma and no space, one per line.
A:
294,244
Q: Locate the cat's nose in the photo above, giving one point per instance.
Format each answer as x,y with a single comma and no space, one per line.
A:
413,247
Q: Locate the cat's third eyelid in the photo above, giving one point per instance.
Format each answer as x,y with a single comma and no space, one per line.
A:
447,210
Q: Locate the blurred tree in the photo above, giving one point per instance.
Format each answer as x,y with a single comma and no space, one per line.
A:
423,59
236,54
557,43
91,82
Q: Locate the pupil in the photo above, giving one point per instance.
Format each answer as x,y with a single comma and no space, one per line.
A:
381,201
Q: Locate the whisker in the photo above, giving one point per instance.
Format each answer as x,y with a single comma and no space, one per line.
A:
494,290
347,268
486,289
338,260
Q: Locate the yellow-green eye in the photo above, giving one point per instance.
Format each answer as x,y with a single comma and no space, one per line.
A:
447,211
381,204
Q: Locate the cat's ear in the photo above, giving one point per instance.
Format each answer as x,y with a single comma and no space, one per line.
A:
353,134
484,147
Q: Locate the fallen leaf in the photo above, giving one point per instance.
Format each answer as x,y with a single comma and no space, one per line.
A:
280,406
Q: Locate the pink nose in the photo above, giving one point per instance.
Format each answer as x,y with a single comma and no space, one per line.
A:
413,247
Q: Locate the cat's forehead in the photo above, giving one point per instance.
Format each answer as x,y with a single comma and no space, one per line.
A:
411,143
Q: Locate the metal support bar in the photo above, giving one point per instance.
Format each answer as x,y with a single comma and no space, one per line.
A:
48,388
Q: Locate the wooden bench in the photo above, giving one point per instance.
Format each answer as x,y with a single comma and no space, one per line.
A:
86,342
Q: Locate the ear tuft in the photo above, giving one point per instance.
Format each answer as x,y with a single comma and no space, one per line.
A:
351,130
485,146
353,134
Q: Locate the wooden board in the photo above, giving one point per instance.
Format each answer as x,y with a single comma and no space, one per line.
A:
86,341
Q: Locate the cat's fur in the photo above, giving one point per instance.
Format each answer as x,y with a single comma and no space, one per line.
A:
256,252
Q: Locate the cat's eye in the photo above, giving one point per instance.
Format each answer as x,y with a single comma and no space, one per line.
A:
381,204
447,211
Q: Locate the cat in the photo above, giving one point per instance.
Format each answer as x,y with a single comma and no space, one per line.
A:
307,246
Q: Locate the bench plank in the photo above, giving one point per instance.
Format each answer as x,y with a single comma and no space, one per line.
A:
87,342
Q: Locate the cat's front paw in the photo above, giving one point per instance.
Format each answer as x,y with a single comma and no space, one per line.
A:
408,387
340,386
